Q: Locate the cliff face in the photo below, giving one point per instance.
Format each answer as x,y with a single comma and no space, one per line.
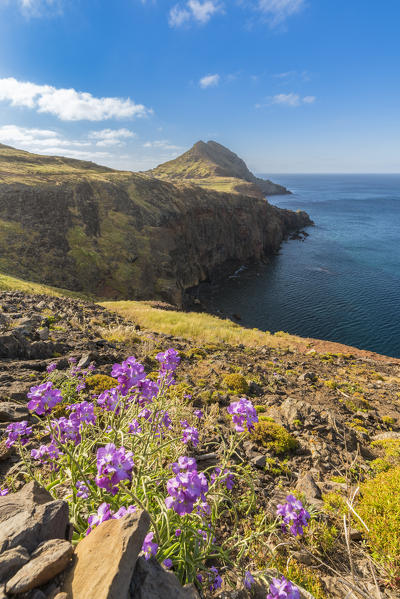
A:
125,235
213,166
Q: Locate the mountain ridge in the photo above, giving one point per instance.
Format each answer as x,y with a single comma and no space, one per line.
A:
213,166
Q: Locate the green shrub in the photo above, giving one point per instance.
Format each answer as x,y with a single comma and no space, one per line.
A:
236,383
98,383
274,437
379,507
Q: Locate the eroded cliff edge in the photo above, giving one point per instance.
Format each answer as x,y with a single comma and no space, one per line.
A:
124,235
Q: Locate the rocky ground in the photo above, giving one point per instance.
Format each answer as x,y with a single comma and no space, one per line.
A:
332,407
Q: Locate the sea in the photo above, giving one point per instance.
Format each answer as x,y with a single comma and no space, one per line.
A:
342,282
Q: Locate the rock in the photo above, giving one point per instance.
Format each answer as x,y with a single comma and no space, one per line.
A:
307,485
295,410
49,559
255,388
61,596
87,359
151,581
259,460
44,334
11,561
12,346
355,535
115,544
5,451
30,517
309,376
383,436
303,557
13,412
38,595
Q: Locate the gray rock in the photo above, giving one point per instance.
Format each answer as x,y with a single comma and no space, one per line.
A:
86,360
259,460
307,485
151,581
295,410
383,436
44,333
309,376
38,595
30,517
13,412
49,559
11,561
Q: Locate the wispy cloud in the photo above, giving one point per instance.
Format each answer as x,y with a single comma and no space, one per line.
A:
277,11
209,81
111,137
162,144
193,11
68,104
291,100
36,8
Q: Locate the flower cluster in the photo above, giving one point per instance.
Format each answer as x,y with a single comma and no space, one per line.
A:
4,492
149,548
214,579
169,361
293,515
46,453
104,513
43,398
282,589
248,580
109,400
243,411
129,374
51,367
227,477
187,487
82,413
18,431
190,434
82,490
113,466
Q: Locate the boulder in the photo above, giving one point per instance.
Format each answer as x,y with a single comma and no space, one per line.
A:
105,560
151,581
307,485
11,561
49,559
31,516
13,412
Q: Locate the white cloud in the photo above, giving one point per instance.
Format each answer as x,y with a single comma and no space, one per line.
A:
111,137
162,144
291,99
278,11
36,8
68,104
209,81
193,10
36,139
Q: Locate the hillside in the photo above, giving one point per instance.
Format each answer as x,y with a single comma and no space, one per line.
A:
113,234
213,166
328,431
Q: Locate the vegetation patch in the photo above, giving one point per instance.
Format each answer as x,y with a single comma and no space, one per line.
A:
236,383
274,437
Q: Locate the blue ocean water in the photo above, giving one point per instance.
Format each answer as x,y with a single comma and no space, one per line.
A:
343,282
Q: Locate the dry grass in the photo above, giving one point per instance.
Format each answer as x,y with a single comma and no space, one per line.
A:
8,283
200,327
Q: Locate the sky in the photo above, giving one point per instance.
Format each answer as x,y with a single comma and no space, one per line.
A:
291,86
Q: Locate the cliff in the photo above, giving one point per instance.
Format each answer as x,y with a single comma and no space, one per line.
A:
213,166
118,234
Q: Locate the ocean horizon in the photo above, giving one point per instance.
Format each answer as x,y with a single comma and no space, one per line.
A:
342,283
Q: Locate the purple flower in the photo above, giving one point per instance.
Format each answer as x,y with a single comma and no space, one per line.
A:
199,414
241,411
83,490
67,429
184,464
293,515
103,513
82,412
131,509
91,367
186,488
43,398
199,578
227,477
134,427
129,374
169,360
204,508
178,532
72,360
51,367
202,534
214,579
4,492
80,387
282,589
46,453
18,431
109,400
113,466
248,580
168,563
149,548
190,434
148,389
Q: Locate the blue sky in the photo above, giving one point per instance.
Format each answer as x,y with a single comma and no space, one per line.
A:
290,85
